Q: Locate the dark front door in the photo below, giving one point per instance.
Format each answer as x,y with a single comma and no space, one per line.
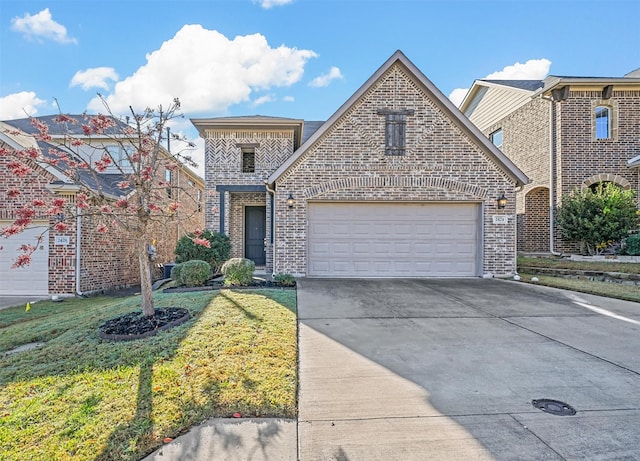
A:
254,233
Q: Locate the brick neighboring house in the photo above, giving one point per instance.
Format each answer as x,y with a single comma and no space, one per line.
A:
80,259
563,133
397,183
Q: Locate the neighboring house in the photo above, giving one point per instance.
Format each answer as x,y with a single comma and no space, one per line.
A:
564,133
80,259
397,183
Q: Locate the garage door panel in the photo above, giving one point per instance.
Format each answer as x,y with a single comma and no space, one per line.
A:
393,240
32,279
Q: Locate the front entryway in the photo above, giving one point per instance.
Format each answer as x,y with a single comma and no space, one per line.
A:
255,233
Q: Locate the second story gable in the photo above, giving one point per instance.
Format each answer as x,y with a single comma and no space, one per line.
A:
246,150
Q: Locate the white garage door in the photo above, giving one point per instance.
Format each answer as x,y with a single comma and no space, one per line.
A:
32,279
394,240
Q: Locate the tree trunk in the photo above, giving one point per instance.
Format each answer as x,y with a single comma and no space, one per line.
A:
145,278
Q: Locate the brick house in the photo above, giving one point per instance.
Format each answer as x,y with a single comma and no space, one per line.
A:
397,183
563,133
80,259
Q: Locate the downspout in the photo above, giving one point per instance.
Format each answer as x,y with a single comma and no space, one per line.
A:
552,189
78,255
272,192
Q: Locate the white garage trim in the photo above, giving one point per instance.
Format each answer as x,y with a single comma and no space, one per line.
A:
29,280
392,239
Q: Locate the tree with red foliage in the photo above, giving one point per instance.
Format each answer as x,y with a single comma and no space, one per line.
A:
141,197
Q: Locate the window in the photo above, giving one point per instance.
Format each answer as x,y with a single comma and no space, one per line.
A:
496,138
248,160
119,154
603,122
199,200
168,179
395,130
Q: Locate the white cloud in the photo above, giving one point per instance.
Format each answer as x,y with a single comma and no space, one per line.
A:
533,69
267,4
94,78
325,79
288,99
41,26
207,71
19,105
263,100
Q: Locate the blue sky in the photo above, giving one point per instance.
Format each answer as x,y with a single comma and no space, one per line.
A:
290,58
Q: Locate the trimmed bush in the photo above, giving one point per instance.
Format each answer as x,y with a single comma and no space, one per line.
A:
632,245
284,280
217,254
238,271
194,273
175,273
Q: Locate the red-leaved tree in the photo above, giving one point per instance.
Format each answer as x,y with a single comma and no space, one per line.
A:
139,197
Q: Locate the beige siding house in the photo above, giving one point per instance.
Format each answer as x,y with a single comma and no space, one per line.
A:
397,183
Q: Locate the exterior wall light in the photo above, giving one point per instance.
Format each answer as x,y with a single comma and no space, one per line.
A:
291,201
502,201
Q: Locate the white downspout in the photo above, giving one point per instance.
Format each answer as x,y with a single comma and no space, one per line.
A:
78,255
273,227
552,190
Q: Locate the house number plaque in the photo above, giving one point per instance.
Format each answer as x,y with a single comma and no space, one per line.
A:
61,240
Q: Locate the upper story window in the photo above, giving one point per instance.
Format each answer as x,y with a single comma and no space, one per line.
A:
248,159
395,130
603,122
120,154
496,138
168,179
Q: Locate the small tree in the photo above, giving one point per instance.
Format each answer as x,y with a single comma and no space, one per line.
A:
597,218
216,253
142,198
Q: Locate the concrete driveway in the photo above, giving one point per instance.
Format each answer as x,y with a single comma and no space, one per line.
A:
448,369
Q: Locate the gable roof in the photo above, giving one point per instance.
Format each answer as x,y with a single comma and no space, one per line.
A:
398,58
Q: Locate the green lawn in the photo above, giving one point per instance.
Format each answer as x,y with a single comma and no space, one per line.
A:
607,289
79,397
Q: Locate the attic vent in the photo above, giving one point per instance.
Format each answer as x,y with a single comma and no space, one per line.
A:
395,126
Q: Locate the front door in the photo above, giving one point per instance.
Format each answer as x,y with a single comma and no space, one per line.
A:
254,233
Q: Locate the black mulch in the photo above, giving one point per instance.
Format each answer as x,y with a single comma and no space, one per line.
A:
134,325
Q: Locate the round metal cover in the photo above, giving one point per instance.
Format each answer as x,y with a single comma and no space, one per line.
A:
554,407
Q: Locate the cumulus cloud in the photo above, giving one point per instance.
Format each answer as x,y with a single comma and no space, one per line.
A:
325,79
97,77
267,4
207,71
533,69
263,100
41,26
19,105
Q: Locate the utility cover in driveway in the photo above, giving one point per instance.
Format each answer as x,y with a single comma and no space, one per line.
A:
393,239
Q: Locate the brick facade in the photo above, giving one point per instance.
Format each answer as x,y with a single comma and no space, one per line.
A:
564,130
349,163
107,260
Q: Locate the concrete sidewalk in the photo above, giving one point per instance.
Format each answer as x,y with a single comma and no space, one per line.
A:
233,440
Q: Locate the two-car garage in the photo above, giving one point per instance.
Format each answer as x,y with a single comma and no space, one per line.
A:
394,239
28,280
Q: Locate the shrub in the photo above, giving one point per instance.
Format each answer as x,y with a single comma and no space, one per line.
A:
284,280
632,245
175,273
597,218
238,271
194,273
217,254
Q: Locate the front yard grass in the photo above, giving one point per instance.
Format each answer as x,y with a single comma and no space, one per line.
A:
607,289
82,398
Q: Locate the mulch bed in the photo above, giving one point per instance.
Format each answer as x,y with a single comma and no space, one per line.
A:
134,325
